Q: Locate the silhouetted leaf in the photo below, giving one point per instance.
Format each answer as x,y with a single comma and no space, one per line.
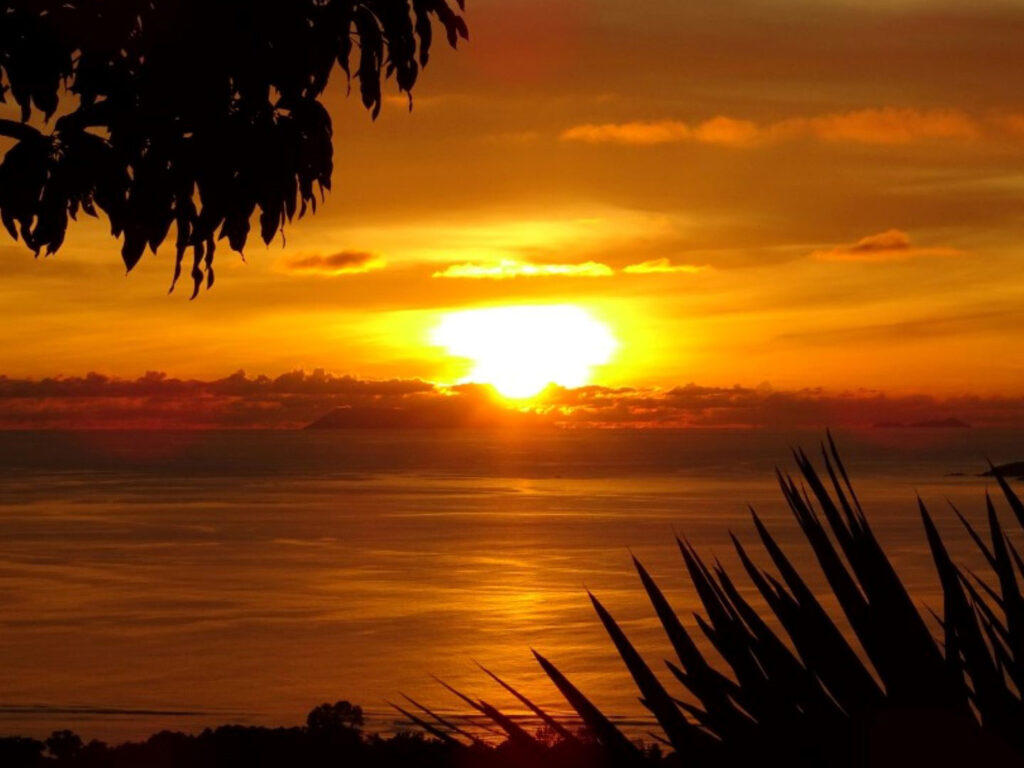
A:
600,726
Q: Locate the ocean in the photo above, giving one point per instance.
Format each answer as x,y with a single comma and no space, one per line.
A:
158,580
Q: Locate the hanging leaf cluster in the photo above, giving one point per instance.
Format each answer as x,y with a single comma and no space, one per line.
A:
191,114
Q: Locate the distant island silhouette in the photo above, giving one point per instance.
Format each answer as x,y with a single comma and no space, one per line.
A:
1011,469
948,423
452,413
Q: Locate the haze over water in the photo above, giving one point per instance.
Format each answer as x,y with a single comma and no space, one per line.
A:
179,580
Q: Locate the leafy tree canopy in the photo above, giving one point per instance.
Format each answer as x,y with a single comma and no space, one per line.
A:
191,113
332,718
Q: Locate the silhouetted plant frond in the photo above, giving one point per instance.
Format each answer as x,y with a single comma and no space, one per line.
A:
452,727
547,719
433,731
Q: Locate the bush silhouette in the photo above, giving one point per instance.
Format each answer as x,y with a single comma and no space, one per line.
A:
339,717
189,113
21,752
64,745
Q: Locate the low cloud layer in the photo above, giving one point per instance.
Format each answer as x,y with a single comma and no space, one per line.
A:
295,400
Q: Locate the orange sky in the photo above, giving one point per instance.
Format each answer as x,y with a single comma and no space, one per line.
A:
750,191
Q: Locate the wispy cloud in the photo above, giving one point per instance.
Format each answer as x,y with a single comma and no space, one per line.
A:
891,245
657,132
881,126
342,263
889,125
662,266
510,268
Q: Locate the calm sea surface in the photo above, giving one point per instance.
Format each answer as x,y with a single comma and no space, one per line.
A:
155,580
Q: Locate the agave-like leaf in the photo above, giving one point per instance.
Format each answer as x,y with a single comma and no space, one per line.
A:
845,588
684,737
781,667
1012,601
889,626
843,490
981,605
444,721
1011,498
978,541
833,451
548,720
764,668
599,725
710,686
989,690
445,737
515,731
729,635
818,641
477,705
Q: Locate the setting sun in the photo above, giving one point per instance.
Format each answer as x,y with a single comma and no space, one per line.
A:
520,350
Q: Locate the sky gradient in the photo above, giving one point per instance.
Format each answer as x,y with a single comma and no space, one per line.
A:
751,192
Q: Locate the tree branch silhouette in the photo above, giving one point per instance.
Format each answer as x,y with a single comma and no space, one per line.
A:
188,113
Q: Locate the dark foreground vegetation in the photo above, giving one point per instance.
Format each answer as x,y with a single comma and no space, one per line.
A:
903,686
332,736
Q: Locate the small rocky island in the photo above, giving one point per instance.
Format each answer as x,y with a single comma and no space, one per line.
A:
1013,469
950,423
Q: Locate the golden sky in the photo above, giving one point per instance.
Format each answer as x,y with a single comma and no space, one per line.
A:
802,193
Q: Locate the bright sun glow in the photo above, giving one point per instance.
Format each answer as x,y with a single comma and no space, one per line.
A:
520,350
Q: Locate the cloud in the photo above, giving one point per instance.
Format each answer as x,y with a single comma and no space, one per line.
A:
662,266
881,126
509,268
157,401
659,132
889,125
341,263
694,405
891,245
468,406
297,399
728,131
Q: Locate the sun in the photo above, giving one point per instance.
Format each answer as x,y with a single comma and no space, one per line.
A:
519,350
